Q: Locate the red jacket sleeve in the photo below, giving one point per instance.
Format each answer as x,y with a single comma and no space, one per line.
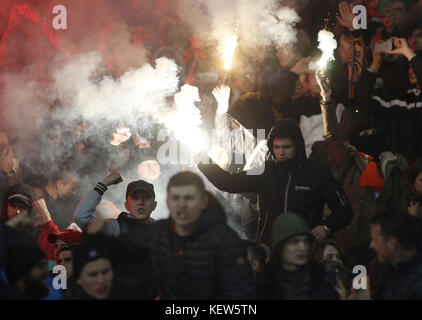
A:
48,248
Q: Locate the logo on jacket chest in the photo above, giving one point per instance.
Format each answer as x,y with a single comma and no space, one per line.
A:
302,188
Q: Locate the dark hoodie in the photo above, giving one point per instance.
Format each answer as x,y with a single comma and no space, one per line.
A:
211,263
308,282
296,185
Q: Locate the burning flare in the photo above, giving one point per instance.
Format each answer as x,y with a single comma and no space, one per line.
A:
327,44
229,47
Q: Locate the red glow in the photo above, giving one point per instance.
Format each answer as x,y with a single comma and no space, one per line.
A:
16,14
140,37
50,34
24,11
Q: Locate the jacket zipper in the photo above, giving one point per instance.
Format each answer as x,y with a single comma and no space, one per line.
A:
263,227
286,193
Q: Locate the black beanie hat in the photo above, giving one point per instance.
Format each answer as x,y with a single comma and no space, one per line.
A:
20,259
92,248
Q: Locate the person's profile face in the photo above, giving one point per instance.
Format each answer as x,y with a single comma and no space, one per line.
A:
418,184
381,246
65,258
416,40
67,187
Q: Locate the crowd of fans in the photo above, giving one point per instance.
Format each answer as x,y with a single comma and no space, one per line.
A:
341,187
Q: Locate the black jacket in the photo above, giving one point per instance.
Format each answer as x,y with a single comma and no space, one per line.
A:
404,282
211,263
319,286
75,292
297,185
400,111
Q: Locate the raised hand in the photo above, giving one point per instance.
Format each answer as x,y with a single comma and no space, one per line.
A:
222,95
113,177
346,15
319,233
120,135
413,209
402,47
42,214
324,84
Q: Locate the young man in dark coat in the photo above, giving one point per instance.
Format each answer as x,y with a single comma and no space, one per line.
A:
288,182
291,273
397,273
194,253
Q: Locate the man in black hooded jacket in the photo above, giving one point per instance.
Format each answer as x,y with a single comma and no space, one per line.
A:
289,182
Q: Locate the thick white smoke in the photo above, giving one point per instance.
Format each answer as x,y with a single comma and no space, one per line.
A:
256,23
143,90
184,118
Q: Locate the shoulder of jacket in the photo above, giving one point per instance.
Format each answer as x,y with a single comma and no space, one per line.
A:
316,170
158,228
123,216
224,230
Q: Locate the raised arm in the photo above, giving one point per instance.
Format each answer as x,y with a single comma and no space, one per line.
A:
84,212
333,140
47,226
231,182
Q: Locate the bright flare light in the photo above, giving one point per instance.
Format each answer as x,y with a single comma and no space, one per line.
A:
185,120
327,44
219,156
229,47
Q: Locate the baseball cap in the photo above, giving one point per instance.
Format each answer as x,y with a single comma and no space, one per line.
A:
69,236
140,185
20,192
